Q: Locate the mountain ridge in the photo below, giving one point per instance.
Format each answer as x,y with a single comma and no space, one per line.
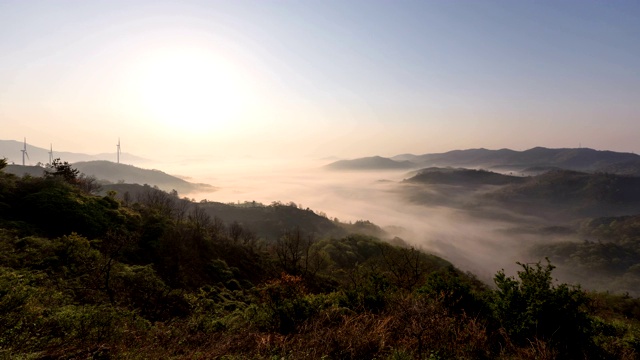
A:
578,159
11,149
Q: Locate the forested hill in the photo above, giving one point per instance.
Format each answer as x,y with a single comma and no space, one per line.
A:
583,193
265,221
86,276
561,194
462,177
114,172
109,172
608,255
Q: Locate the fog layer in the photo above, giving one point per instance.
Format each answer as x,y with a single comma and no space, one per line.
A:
443,220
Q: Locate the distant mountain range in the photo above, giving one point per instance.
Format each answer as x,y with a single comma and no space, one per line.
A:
11,150
534,160
110,172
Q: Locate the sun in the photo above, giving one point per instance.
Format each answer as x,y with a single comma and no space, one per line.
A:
190,89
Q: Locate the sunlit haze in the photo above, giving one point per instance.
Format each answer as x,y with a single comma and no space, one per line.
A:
269,79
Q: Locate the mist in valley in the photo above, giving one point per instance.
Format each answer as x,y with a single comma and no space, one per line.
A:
482,221
454,222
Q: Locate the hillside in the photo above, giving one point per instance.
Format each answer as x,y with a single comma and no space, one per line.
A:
113,172
563,195
20,170
265,221
85,276
607,257
269,221
557,196
462,177
585,223
565,186
370,163
631,167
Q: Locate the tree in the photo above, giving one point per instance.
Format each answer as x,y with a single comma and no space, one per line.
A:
62,170
532,308
235,231
407,267
292,251
88,184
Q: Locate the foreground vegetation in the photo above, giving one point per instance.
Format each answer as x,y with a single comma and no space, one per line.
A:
85,276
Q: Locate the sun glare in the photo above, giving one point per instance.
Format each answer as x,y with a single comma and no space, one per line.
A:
192,90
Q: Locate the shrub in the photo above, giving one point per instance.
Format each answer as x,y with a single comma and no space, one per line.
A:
532,308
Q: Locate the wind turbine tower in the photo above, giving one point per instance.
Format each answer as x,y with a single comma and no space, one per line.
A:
24,151
118,151
50,153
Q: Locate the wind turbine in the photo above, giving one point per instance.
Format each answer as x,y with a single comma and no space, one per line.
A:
24,151
51,154
118,152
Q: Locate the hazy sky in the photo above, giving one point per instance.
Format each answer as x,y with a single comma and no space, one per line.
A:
319,78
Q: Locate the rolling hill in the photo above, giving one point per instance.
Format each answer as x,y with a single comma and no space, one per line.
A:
267,222
462,177
109,172
574,192
556,194
370,163
113,172
20,170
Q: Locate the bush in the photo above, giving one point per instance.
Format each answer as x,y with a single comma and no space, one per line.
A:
457,291
532,308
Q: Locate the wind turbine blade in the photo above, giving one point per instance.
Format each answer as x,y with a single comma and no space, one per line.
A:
26,153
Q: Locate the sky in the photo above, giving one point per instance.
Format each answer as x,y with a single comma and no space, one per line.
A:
280,79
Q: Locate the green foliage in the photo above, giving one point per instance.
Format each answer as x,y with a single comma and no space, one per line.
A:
460,293
56,208
370,291
140,289
21,308
532,307
84,276
62,170
284,304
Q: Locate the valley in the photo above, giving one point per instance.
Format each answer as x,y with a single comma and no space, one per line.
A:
359,240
